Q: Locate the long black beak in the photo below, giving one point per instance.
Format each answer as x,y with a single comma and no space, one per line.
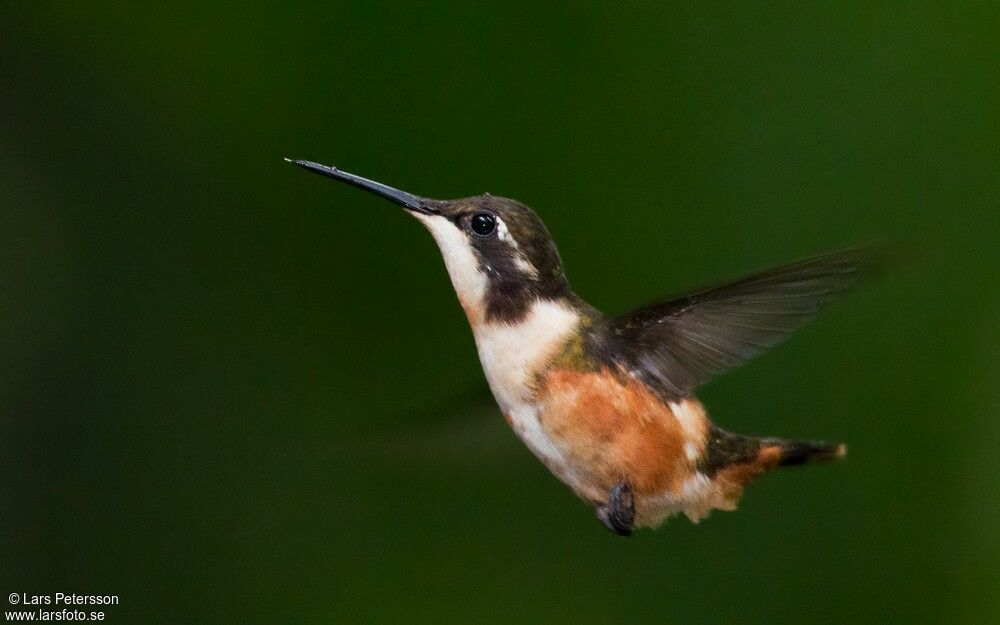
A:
404,199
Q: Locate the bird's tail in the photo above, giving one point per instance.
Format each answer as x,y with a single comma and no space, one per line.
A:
731,461
753,456
788,453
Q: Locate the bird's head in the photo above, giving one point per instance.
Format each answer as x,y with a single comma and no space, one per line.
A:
499,254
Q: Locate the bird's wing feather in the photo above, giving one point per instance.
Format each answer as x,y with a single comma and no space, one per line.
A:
679,344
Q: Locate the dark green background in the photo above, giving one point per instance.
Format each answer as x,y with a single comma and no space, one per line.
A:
233,392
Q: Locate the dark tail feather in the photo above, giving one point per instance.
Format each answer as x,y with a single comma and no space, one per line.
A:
791,453
732,461
726,451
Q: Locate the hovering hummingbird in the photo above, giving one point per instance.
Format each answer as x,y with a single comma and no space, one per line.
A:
607,403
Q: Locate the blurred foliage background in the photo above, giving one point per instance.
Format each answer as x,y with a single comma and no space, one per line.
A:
232,392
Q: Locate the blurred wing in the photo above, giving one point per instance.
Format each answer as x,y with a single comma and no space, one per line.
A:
680,344
462,427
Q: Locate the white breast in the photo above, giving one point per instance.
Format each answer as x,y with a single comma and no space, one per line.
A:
511,353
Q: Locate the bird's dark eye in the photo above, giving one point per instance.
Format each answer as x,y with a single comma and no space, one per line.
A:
483,224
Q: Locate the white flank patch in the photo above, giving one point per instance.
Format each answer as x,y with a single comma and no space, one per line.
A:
459,258
691,417
511,353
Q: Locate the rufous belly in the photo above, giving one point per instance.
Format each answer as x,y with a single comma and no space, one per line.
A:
610,428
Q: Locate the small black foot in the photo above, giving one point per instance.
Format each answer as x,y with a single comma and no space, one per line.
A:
618,514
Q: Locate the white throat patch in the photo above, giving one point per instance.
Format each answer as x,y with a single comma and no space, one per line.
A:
460,260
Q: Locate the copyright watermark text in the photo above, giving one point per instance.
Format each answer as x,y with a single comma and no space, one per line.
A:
58,607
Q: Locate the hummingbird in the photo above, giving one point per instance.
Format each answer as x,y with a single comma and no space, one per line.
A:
607,403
